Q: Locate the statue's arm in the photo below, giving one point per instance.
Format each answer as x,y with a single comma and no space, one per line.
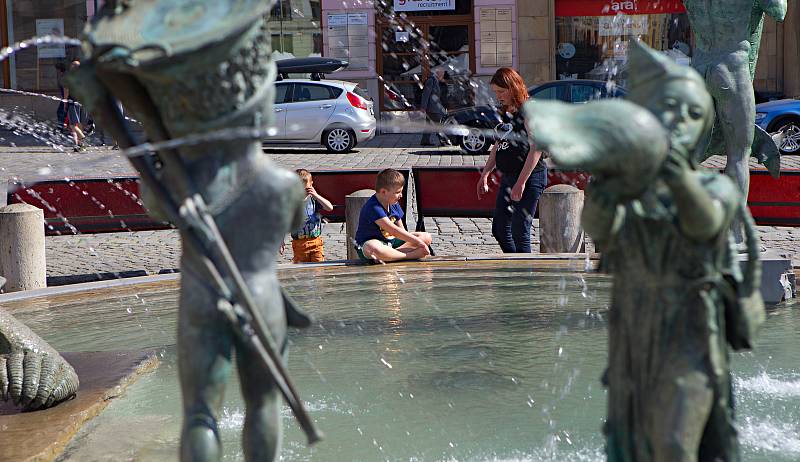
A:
776,9
32,374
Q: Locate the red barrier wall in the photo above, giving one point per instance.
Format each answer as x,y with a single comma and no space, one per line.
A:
86,205
97,205
773,201
105,205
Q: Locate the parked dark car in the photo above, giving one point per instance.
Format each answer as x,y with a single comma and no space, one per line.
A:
781,116
481,121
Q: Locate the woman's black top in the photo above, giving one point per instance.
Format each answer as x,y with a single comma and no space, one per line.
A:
513,145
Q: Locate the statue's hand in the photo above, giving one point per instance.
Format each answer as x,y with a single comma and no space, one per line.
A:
32,373
675,169
36,378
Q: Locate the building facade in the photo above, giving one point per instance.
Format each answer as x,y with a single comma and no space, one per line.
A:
393,46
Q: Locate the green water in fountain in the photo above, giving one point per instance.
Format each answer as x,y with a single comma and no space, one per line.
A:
458,362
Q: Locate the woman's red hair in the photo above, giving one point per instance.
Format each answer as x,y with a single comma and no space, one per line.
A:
508,78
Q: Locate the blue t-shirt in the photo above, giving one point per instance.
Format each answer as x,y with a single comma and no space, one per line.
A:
372,211
313,225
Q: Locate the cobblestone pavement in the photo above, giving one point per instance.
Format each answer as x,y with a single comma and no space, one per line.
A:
85,257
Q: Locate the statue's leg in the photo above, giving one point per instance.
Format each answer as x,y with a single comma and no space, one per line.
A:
680,409
729,83
204,361
262,432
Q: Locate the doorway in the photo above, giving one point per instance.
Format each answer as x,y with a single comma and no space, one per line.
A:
409,52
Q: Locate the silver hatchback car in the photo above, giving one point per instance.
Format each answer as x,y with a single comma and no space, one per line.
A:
335,113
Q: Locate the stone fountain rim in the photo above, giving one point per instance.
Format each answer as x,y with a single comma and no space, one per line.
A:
559,261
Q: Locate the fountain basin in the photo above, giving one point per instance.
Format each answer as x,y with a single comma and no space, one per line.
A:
486,360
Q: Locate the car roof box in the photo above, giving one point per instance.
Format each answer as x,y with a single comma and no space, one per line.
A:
316,66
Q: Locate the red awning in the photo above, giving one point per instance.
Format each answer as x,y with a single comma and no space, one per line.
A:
614,7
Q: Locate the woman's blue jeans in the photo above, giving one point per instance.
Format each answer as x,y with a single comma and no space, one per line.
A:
511,223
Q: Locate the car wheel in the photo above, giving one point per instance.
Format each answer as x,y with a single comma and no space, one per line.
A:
339,140
475,142
791,136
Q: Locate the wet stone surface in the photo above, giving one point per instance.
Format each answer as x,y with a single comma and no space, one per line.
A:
42,435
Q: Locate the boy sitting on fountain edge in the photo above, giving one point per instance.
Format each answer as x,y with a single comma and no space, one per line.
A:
381,235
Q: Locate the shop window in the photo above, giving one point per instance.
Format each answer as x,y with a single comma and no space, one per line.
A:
595,47
414,45
400,40
37,69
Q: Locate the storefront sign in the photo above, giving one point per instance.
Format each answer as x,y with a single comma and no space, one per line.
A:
496,40
615,7
424,5
50,27
634,24
348,38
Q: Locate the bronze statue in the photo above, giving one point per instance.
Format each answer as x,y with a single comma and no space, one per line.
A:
32,374
727,36
185,67
679,298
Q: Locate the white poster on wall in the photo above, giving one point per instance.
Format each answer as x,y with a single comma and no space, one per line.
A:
497,47
424,5
50,27
633,24
348,38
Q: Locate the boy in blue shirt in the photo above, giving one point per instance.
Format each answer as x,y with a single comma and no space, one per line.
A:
381,235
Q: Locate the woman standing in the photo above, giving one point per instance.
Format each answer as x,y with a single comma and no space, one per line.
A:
523,174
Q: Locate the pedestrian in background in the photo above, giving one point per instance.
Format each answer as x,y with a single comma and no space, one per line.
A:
61,111
434,106
74,116
523,174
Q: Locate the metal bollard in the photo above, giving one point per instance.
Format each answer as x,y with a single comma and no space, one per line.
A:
560,220
352,205
22,258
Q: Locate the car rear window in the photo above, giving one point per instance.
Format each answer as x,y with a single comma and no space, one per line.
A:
362,93
584,93
546,93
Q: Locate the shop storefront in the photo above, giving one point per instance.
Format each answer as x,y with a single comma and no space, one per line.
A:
394,46
413,46
37,69
591,36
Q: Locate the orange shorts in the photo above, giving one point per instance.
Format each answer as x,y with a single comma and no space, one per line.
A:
307,250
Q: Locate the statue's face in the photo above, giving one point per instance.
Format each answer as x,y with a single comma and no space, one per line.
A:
683,107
